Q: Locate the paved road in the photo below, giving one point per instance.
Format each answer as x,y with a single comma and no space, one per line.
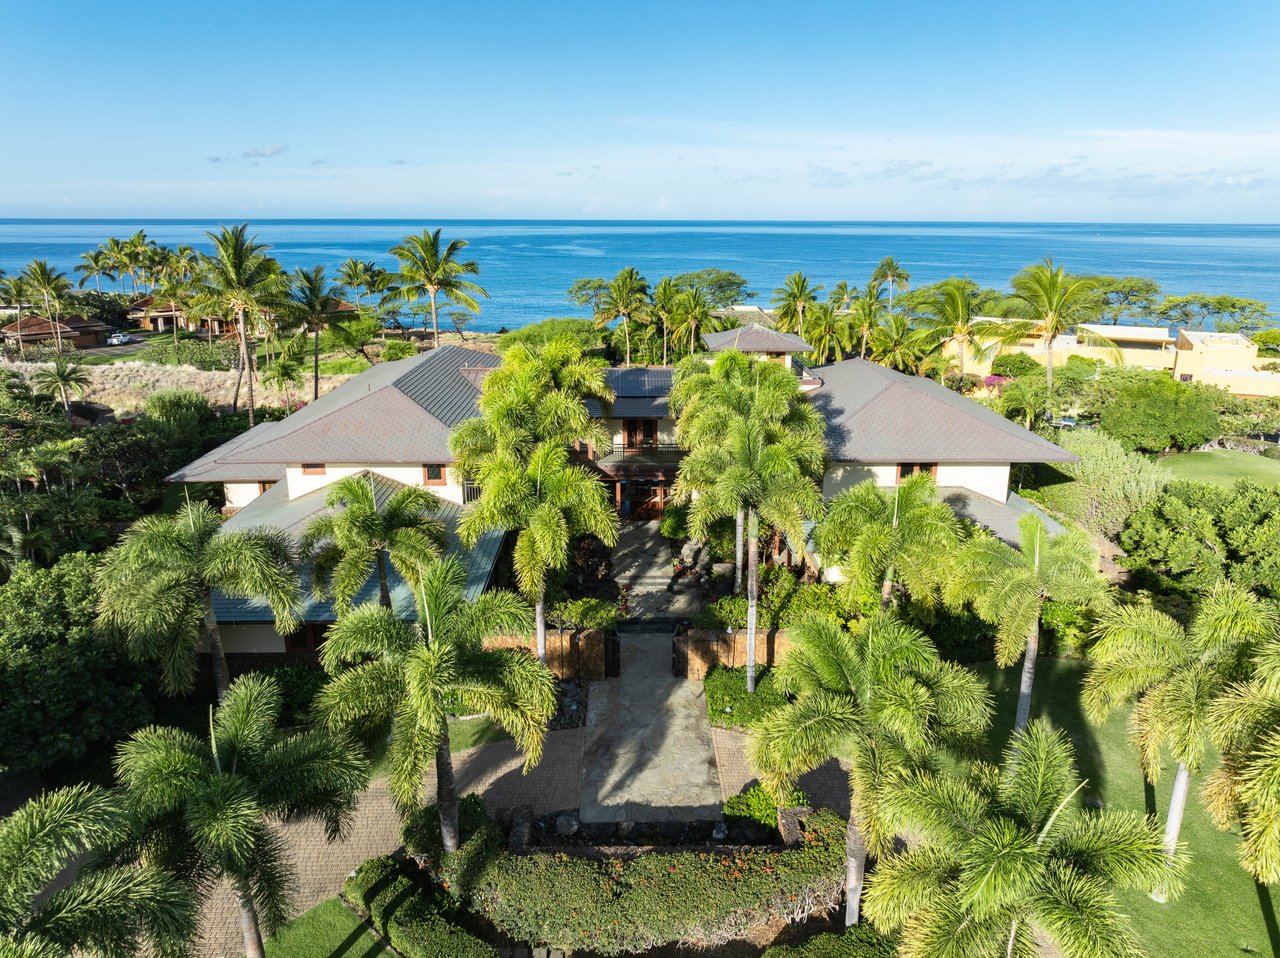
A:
139,342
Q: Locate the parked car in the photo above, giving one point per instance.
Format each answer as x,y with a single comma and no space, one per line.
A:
118,339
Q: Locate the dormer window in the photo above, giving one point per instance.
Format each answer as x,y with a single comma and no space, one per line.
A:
433,474
313,468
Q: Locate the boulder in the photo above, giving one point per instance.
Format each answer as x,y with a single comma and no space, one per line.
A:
720,832
567,823
689,552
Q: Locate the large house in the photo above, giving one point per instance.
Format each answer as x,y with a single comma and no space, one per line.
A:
394,422
71,329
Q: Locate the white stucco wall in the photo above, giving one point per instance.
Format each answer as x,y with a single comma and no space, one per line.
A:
986,479
409,475
617,429
239,494
841,475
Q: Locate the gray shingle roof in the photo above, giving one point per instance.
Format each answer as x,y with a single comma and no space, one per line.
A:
394,412
756,338
874,414
275,509
640,391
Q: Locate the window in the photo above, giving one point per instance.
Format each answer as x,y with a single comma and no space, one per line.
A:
433,475
264,486
1185,377
313,468
308,638
911,468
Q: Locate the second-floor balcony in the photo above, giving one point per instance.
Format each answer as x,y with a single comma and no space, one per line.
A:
639,454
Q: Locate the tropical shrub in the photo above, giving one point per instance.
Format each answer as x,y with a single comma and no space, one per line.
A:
1066,628
179,413
582,331
961,384
726,612
729,705
1156,414
577,614
398,349
860,941
612,907
675,522
191,352
1013,365
757,805
1105,487
299,686
412,917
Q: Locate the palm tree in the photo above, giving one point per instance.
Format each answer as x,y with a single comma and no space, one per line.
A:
283,374
626,298
949,308
357,275
666,303
365,528
97,264
118,257
766,468
63,376
842,295
693,312
241,281
1176,675
848,689
109,912
828,332
890,539
52,285
412,675
549,503
791,299
13,292
899,345
207,808
427,270
1009,587
156,586
538,394
1046,303
867,310
314,306
1007,863
890,272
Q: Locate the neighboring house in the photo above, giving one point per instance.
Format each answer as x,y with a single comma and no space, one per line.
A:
1227,360
73,329
758,340
150,315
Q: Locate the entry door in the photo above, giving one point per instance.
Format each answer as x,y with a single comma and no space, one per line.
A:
640,433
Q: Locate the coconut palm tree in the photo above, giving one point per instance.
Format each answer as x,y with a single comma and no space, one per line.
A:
894,539
842,295
1007,863
365,528
666,300
428,270
625,299
1176,675
891,273
106,912
14,292
97,264
357,275
848,688
538,394
828,332
156,586
896,343
1008,588
314,306
1046,303
950,319
866,311
207,809
241,281
791,299
548,503
412,675
52,285
693,313
62,377
283,374
766,468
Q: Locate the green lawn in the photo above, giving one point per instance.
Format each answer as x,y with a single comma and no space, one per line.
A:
1222,467
330,930
463,734
1222,912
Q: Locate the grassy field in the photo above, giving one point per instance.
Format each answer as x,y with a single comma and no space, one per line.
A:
330,930
1222,467
463,734
1222,912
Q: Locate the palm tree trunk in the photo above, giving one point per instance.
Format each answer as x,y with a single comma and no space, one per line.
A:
384,586
221,674
235,396
886,590
246,368
435,325
1028,678
855,870
739,522
664,342
862,349
249,924
626,330
1048,377
540,626
315,367
1177,804
446,793
753,590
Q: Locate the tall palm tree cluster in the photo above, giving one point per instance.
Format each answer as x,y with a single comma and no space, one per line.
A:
666,320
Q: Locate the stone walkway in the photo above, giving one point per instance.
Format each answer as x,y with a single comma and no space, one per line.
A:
827,785
642,559
648,755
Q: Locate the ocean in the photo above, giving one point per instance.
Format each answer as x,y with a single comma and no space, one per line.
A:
526,266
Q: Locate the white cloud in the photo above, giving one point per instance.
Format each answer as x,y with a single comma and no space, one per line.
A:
274,149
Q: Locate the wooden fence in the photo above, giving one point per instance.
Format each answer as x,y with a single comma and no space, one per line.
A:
695,653
572,656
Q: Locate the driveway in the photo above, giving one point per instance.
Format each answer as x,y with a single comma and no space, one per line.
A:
139,342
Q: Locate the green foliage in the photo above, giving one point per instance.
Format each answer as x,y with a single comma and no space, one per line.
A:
785,601
721,287
1066,628
675,522
1105,487
315,932
299,686
860,941
587,613
1161,414
1195,533
398,349
729,705
191,352
343,367
179,412
726,612
1014,365
582,331
757,805
613,906
414,918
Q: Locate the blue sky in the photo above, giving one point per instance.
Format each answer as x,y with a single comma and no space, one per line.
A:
1121,111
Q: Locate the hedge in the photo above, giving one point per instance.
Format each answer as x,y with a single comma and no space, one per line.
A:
612,907
729,705
860,941
410,916
757,805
